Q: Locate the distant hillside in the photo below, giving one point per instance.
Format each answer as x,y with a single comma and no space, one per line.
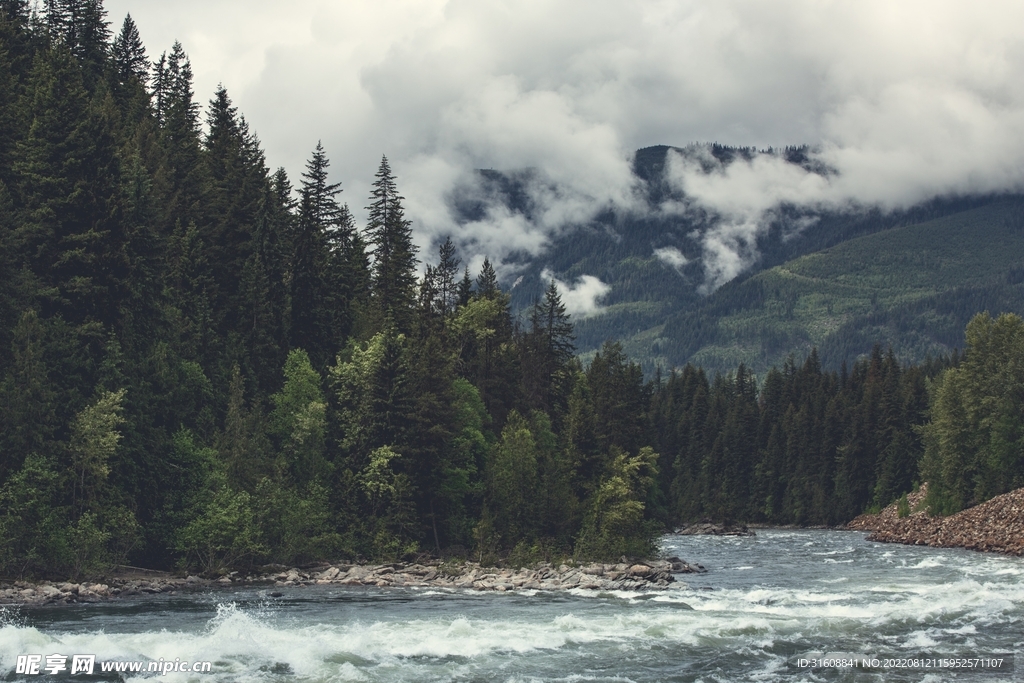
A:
911,278
912,287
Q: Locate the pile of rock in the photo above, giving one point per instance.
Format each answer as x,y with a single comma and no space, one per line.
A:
653,574
24,593
130,583
707,529
996,525
646,575
889,517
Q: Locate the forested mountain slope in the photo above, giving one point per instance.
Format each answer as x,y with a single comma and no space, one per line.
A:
914,288
851,278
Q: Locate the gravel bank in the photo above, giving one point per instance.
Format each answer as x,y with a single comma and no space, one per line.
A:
996,525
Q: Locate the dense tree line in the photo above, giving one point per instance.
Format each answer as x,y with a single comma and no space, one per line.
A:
808,446
974,441
203,364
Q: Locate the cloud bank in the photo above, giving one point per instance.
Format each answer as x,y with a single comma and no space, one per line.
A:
904,100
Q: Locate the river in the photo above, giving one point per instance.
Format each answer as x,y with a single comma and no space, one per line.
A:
766,603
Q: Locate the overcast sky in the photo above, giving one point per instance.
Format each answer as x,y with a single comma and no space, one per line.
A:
906,99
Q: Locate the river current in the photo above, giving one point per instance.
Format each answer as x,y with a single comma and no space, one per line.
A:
766,603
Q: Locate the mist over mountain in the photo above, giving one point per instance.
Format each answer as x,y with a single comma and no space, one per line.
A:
900,103
676,256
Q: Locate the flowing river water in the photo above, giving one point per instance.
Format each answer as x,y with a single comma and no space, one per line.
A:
766,603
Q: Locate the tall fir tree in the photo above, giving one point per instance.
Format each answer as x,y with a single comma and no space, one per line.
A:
70,234
129,54
265,299
316,306
447,273
236,180
178,181
394,255
548,349
82,27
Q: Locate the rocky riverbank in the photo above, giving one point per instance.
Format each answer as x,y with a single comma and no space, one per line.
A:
996,525
633,576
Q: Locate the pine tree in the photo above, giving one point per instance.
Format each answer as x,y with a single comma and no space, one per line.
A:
81,26
465,290
30,421
265,298
12,122
130,54
394,265
235,183
619,398
67,185
447,272
487,281
548,350
179,180
315,305
348,273
488,354
512,483
161,89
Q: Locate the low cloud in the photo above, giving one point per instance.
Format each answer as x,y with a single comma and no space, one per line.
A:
903,100
583,298
672,257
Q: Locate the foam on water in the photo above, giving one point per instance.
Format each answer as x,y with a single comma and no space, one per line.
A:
730,625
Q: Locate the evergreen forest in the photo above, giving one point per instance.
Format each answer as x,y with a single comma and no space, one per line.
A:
206,364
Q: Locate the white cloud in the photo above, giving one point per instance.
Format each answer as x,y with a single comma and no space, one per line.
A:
905,100
671,256
581,299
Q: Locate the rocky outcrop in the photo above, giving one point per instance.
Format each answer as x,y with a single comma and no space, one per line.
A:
996,525
48,593
706,529
646,575
653,574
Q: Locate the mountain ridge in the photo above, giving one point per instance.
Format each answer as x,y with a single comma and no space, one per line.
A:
648,295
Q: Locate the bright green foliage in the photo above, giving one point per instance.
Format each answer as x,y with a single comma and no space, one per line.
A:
299,420
295,524
379,480
975,438
615,523
372,394
512,482
482,329
33,523
903,507
94,439
88,542
460,489
223,533
387,495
